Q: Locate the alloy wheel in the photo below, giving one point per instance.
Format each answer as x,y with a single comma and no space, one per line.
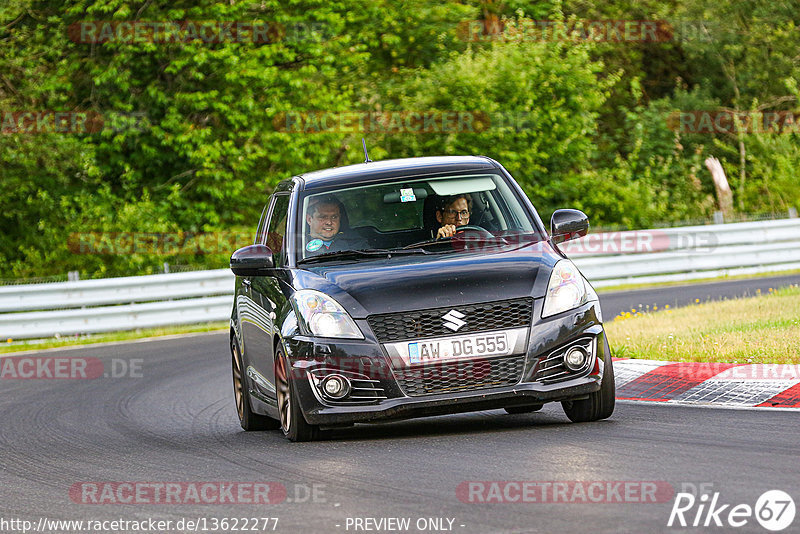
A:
283,394
238,388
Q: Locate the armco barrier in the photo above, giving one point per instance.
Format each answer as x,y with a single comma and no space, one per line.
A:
90,306
114,318
131,289
112,304
692,252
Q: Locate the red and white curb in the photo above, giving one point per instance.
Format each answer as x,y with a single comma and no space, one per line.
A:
708,384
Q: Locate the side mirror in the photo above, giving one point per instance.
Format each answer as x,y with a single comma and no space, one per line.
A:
252,260
568,224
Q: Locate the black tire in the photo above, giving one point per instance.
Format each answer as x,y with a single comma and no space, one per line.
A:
292,422
247,417
600,404
514,410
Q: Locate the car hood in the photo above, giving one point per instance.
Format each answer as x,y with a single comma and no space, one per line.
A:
404,283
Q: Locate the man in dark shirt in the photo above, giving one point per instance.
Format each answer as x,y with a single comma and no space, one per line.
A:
327,225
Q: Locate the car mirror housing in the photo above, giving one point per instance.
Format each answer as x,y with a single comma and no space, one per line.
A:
568,224
252,260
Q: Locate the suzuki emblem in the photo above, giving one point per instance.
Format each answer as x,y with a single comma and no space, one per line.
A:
453,320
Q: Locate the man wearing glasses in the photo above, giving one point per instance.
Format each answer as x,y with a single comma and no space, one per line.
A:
452,212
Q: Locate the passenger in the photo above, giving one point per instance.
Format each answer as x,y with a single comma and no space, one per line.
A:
453,211
328,227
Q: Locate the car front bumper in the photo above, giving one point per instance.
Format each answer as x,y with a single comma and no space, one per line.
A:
368,359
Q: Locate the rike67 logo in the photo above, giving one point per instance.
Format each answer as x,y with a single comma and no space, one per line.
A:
774,510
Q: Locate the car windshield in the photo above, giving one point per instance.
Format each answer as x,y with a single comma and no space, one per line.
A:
480,211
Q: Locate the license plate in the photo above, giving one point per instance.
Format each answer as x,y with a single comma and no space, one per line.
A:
465,347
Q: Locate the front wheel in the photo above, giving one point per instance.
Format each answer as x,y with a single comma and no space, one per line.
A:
599,405
294,425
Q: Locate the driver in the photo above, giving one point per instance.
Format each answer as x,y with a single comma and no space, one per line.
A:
326,216
453,211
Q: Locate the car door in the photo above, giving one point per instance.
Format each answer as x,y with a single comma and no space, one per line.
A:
252,322
268,298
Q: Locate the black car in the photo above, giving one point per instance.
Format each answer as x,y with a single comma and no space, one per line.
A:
407,288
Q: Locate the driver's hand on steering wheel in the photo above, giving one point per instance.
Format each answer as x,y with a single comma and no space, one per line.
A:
448,230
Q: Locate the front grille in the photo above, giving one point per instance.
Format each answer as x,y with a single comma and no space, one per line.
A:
446,377
365,389
552,368
391,327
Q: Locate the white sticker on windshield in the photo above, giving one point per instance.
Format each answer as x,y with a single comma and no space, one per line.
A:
407,195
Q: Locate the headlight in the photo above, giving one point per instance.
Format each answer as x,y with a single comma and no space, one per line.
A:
566,289
323,316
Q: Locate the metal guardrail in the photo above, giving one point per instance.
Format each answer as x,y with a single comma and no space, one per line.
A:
84,293
114,304
115,318
687,253
609,259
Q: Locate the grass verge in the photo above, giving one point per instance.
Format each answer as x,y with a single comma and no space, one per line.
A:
761,329
38,344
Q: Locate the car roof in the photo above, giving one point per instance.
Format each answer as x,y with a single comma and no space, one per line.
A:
378,170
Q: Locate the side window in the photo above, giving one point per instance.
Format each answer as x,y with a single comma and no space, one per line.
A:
276,231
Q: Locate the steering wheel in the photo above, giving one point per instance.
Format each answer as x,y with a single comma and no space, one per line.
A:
478,239
466,242
483,231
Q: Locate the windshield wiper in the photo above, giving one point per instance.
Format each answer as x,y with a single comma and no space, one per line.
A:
367,253
481,242
417,246
495,240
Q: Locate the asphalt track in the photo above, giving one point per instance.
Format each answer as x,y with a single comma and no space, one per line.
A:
613,303
174,421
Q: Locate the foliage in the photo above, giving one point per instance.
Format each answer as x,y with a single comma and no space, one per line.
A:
534,107
193,139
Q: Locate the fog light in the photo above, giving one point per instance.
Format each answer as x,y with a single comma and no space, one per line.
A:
336,386
575,359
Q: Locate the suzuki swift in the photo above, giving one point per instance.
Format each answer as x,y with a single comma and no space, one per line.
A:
407,288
